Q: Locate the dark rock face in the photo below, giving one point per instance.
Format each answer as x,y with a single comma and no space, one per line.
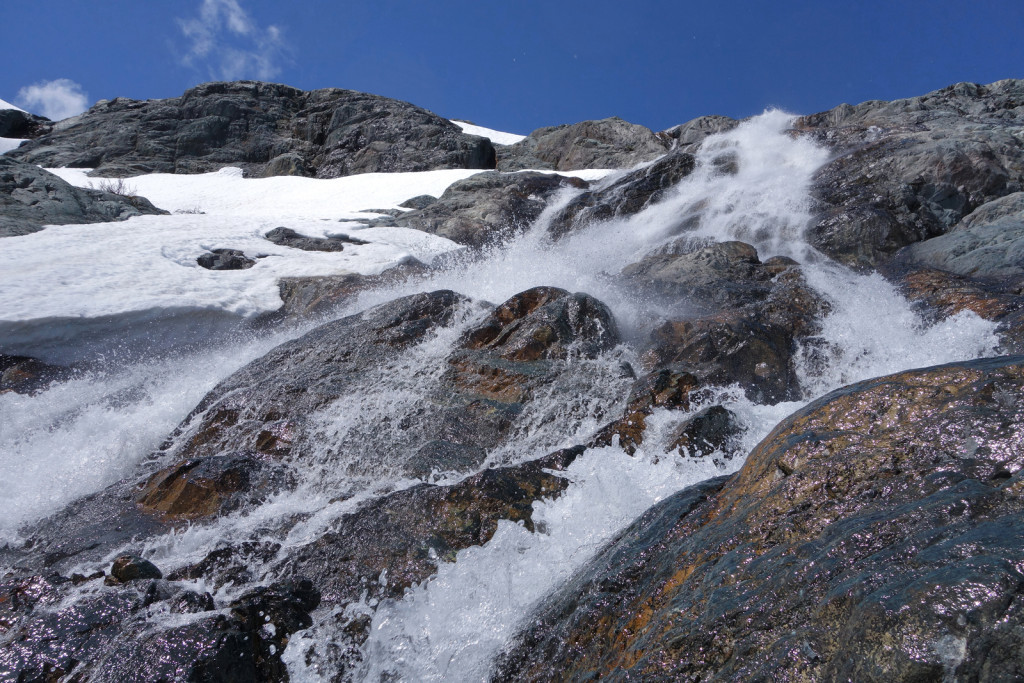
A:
625,196
31,198
15,123
608,143
753,314
225,259
263,127
910,170
486,208
987,244
873,535
107,636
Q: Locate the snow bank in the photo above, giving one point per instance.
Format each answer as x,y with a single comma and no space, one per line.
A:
495,136
7,144
7,105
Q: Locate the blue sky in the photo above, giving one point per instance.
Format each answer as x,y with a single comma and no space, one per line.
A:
516,66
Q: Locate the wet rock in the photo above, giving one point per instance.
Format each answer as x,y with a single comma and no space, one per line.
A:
486,208
706,432
216,484
608,143
623,196
264,128
24,375
225,259
398,540
286,237
237,564
749,317
263,408
660,389
132,567
909,170
873,535
31,198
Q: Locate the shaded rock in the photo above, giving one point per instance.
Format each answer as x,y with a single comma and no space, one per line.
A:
625,195
31,198
486,208
225,259
909,170
264,128
873,535
608,143
132,567
286,237
987,244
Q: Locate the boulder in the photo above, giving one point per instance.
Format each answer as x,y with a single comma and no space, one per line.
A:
25,375
31,198
485,208
608,143
875,534
225,259
18,124
909,170
264,128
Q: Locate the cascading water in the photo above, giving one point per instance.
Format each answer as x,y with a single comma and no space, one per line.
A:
750,184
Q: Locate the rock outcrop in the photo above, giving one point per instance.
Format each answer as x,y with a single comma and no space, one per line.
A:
873,535
31,198
486,208
909,170
264,128
608,143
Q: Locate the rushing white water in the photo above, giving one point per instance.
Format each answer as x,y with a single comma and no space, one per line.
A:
78,436
451,627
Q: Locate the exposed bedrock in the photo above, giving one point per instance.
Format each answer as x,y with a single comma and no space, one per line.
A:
31,198
265,128
874,535
909,170
608,143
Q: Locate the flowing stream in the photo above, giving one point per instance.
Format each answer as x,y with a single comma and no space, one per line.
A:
83,434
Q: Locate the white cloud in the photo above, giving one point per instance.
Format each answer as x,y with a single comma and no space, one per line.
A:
228,45
55,100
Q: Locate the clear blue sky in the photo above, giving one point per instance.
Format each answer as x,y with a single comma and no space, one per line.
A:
519,65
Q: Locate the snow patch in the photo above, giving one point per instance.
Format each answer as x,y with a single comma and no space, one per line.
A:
7,144
495,136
